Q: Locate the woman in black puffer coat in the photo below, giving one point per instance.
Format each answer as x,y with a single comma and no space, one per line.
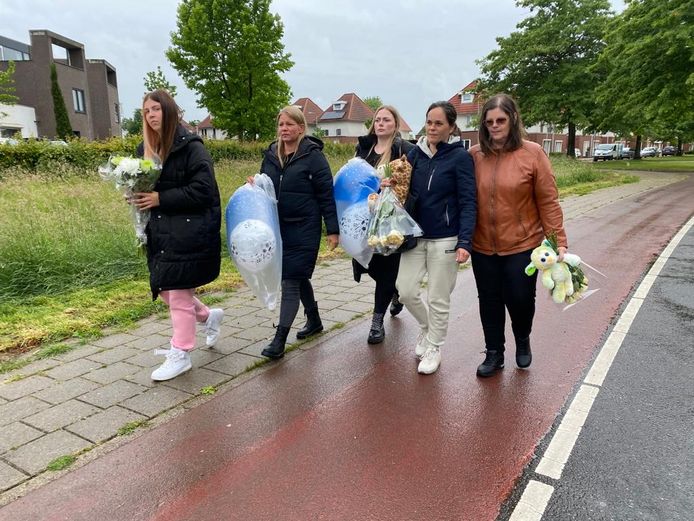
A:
183,233
304,189
379,147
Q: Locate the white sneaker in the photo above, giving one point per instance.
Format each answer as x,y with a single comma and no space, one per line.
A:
422,345
430,361
177,362
213,326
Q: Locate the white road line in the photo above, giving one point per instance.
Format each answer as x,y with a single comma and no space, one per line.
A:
536,495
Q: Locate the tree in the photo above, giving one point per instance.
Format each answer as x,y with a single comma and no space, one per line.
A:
156,80
648,85
230,52
373,102
63,127
7,88
133,126
545,65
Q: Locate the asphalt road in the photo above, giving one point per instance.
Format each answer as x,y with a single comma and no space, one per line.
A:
347,431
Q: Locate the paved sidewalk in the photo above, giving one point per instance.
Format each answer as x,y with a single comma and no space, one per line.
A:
80,400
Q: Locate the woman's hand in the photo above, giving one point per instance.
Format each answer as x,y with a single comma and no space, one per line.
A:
562,252
145,200
387,181
250,180
333,241
461,255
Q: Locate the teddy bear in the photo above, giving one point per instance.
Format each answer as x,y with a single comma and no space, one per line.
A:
555,275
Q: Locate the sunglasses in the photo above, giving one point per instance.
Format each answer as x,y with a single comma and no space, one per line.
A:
498,121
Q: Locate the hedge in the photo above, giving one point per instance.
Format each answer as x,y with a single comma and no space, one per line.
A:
48,158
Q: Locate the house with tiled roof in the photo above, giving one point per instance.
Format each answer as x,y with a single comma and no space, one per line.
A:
345,119
468,106
207,130
311,112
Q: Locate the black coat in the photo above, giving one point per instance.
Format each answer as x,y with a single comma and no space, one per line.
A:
183,234
304,190
381,267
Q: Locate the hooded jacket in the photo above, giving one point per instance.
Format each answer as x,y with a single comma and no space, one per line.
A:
518,200
183,233
304,190
442,195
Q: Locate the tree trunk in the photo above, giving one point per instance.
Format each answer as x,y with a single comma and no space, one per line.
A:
571,145
637,147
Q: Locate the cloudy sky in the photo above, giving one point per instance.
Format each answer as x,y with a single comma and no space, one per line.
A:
407,52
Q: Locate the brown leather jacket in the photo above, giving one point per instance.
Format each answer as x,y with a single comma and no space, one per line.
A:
517,201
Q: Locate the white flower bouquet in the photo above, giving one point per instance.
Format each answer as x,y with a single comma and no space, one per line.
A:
131,175
390,223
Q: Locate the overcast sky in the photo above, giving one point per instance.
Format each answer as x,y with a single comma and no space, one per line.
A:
407,52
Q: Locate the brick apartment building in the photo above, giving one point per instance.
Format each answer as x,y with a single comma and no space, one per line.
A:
89,86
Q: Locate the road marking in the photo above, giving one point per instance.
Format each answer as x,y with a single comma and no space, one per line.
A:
532,504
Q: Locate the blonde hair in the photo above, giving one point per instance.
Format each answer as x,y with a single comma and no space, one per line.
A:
158,144
297,116
385,157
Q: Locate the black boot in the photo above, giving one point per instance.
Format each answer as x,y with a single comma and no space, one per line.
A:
492,362
524,355
377,333
313,323
395,305
276,348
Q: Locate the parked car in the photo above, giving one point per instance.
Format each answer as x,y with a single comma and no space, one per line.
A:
669,150
607,151
626,153
649,152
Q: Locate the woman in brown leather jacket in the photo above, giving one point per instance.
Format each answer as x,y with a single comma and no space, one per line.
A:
517,205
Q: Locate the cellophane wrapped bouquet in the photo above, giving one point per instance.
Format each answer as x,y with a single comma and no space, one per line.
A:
390,224
131,175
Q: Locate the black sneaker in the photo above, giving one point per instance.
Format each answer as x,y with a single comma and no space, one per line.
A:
395,306
524,356
493,362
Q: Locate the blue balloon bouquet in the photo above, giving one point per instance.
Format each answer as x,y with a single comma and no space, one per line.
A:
353,184
254,240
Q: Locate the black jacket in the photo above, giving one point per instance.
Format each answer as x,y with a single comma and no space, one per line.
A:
183,234
304,190
443,195
399,147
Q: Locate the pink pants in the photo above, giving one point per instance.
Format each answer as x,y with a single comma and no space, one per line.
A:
185,311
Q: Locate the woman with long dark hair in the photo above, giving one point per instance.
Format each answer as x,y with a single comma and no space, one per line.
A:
518,205
183,233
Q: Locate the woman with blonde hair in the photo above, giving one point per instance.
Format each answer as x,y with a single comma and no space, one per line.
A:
183,239
304,189
378,147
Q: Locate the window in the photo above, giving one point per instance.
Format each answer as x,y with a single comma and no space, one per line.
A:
547,145
557,146
116,109
338,131
78,101
466,143
466,97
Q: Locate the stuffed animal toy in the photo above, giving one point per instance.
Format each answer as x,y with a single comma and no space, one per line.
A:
555,275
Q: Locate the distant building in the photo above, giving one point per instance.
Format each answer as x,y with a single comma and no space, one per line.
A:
207,130
345,119
89,86
18,121
311,112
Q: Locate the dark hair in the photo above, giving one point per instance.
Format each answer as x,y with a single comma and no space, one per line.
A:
160,143
449,111
516,132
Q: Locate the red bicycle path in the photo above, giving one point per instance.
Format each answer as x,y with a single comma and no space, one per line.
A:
348,431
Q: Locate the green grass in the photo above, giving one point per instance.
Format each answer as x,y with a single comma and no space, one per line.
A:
69,267
651,164
131,427
61,462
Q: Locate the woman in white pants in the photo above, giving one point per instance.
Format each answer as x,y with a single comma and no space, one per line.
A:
442,199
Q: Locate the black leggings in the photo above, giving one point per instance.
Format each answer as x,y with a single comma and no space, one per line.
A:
502,284
294,290
383,269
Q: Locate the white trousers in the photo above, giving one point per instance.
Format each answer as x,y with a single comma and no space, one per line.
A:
435,258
